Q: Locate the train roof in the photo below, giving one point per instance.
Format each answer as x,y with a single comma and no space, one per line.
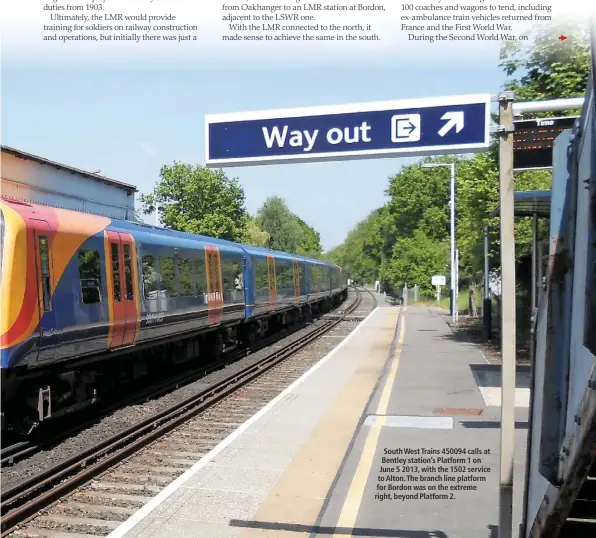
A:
263,251
127,225
249,249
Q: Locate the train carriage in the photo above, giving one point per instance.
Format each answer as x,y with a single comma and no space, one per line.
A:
79,290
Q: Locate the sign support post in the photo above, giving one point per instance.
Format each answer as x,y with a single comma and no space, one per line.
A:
486,309
508,313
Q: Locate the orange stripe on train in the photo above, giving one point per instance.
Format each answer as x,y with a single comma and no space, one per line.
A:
68,231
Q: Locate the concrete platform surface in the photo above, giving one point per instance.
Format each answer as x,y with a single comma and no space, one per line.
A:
389,435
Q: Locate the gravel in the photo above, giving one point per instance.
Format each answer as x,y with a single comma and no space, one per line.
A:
128,416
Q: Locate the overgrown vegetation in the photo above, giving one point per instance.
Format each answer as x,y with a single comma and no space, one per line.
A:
407,240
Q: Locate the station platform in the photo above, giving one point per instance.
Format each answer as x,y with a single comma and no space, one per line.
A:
394,433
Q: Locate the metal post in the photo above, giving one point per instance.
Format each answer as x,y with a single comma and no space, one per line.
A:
540,266
452,233
534,283
452,207
456,294
487,306
508,313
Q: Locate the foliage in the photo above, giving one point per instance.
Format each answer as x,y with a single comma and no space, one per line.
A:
358,265
310,244
287,232
551,68
415,259
254,235
407,240
198,200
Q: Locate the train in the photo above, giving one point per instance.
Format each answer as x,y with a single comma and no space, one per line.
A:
81,294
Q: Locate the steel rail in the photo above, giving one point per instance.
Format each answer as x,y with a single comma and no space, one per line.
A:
16,452
25,500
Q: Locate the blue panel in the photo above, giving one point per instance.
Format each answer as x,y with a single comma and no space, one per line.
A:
560,286
590,308
411,130
365,130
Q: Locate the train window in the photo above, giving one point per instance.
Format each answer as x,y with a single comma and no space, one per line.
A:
314,283
261,276
185,270
201,277
232,279
229,272
149,277
281,274
289,276
302,276
128,273
90,276
44,256
321,272
116,272
168,276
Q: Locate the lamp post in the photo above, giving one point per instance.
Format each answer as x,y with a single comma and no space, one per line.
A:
453,298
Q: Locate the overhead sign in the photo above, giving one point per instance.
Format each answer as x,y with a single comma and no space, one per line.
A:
438,280
533,141
431,126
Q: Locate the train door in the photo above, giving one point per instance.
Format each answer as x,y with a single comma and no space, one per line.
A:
272,281
121,271
214,284
296,281
48,337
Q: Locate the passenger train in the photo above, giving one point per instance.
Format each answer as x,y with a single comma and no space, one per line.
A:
82,291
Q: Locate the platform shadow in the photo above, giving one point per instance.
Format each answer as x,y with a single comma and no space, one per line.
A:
482,424
471,331
489,375
347,531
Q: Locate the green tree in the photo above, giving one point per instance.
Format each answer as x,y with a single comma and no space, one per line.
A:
310,244
407,240
277,220
288,232
356,253
415,259
547,67
198,200
254,235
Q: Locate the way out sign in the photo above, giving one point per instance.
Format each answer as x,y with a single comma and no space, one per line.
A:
430,126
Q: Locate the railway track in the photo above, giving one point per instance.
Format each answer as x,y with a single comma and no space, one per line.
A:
91,493
49,437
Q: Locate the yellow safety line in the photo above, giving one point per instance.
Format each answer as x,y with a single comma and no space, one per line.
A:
351,506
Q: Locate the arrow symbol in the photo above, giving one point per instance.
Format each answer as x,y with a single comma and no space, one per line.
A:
410,127
562,37
455,119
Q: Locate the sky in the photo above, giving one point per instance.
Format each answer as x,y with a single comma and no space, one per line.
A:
127,113
129,124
